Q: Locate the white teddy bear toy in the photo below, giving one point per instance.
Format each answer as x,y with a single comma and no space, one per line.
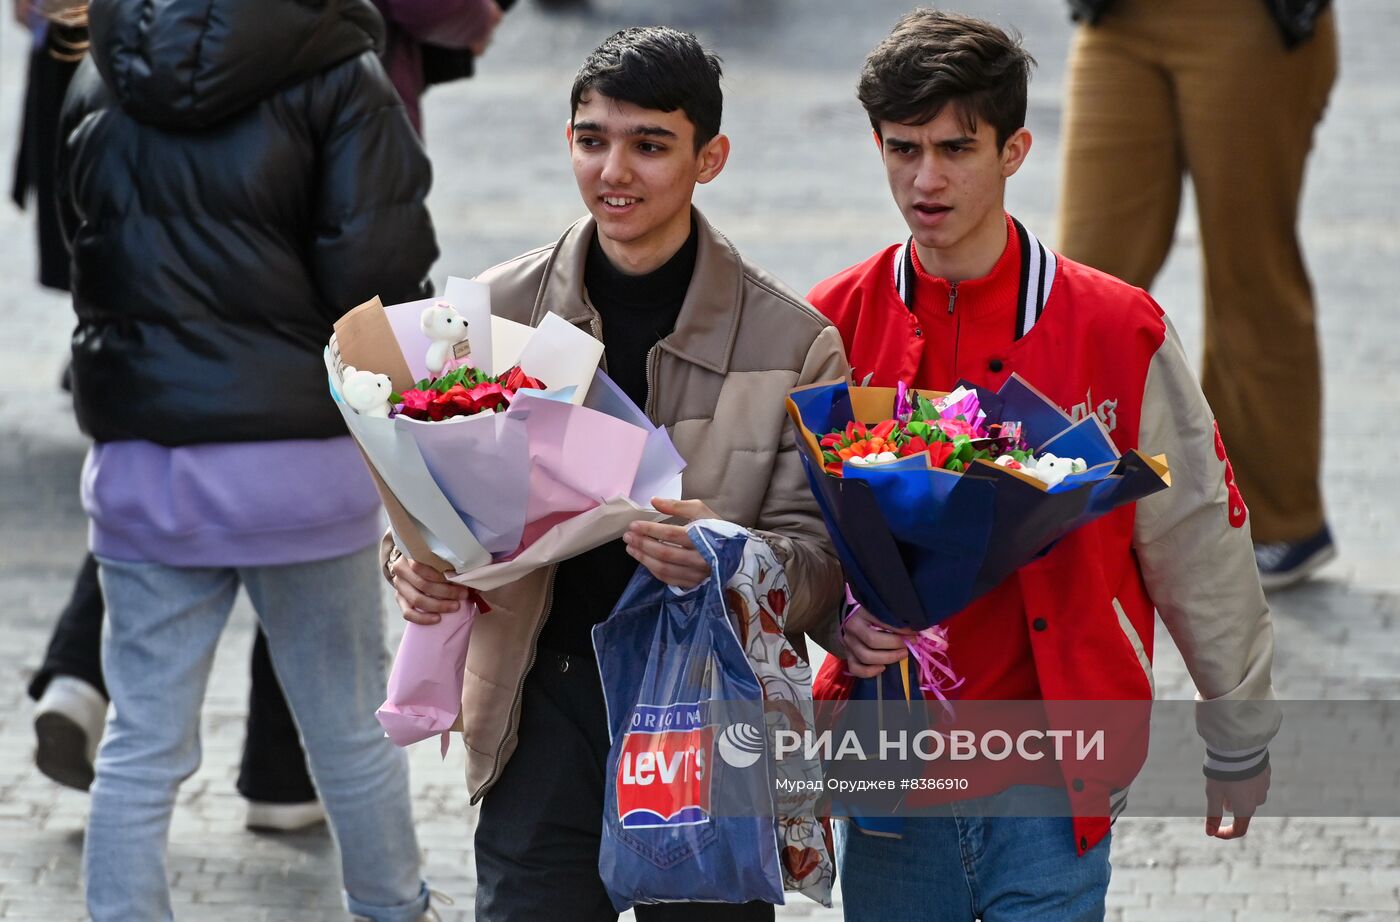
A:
366,392
1052,470
446,328
880,458
1048,468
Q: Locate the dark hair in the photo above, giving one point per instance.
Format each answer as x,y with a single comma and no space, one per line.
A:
932,58
656,68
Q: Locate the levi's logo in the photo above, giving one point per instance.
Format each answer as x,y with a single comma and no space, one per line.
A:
663,772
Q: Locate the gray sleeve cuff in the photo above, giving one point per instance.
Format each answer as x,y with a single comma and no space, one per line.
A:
1235,765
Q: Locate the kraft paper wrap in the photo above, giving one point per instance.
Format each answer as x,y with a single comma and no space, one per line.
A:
363,339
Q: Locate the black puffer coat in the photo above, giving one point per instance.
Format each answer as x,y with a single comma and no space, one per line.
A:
236,174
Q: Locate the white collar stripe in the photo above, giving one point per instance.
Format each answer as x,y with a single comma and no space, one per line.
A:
1032,285
1047,278
1038,266
903,280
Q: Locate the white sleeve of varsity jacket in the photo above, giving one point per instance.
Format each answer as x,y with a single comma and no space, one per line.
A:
1200,572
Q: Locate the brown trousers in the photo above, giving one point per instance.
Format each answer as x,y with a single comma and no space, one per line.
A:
1206,88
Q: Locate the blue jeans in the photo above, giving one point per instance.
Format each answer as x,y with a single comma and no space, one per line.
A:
965,866
325,631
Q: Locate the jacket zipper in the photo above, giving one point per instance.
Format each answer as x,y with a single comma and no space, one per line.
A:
595,327
957,325
651,364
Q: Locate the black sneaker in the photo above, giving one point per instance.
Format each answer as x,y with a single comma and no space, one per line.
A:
1287,562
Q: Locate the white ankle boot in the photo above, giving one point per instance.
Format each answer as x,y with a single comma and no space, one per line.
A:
68,722
268,817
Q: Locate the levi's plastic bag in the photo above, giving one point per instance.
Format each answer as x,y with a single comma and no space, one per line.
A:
688,813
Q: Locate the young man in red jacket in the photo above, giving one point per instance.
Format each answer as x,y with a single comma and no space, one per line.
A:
972,294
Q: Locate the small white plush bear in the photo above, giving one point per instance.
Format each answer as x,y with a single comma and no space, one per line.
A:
446,328
366,392
879,458
1051,470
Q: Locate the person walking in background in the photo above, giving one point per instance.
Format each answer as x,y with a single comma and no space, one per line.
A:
71,697
434,41
234,175
427,41
68,688
1227,92
59,43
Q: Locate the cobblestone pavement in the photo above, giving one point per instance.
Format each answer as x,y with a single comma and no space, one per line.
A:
804,196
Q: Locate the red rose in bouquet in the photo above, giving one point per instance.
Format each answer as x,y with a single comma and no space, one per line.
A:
487,396
463,392
455,401
416,403
515,380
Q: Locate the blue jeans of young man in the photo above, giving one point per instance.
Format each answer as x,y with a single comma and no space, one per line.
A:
325,631
273,768
968,865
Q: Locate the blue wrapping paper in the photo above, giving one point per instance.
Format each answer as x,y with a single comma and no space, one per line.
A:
919,544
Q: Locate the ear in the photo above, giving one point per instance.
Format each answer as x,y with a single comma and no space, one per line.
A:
1014,152
569,132
713,157
879,142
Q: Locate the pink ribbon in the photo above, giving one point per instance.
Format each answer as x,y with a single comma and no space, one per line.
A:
928,649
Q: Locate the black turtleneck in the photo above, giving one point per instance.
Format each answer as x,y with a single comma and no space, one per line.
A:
637,311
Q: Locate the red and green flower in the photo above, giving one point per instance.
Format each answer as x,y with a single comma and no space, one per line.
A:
948,437
464,391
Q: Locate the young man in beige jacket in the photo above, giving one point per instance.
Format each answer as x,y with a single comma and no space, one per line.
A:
709,345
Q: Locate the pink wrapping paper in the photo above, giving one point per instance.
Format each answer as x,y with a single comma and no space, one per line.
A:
579,458
428,673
